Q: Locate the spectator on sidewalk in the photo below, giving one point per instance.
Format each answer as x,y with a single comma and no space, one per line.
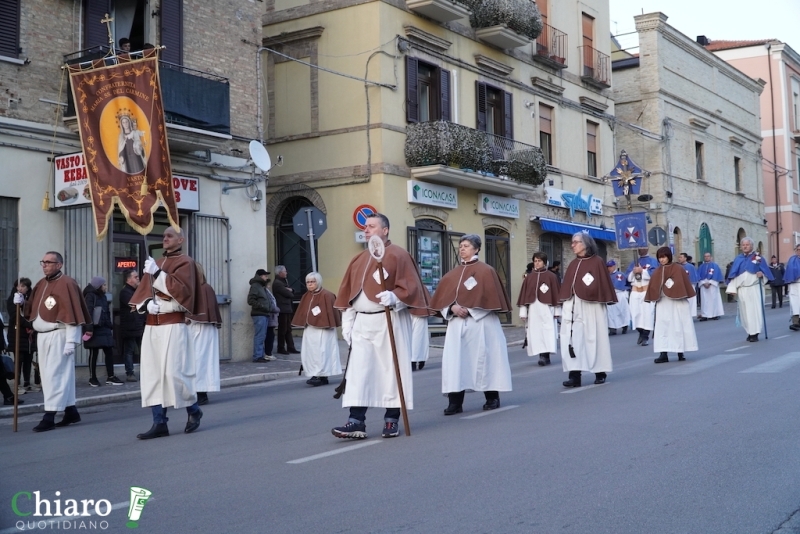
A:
272,324
99,334
131,324
777,282
284,295
260,309
5,389
27,337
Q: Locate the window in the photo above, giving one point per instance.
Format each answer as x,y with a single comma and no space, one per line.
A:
796,103
698,161
9,28
591,148
495,113
427,92
737,174
546,132
588,45
9,238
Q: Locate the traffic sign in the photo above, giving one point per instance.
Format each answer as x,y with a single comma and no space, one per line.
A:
300,222
361,213
657,236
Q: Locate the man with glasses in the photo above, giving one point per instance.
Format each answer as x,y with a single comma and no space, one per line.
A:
57,310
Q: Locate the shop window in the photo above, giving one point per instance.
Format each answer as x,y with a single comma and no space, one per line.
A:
546,132
434,249
552,245
9,28
498,254
737,174
293,251
9,252
427,92
495,110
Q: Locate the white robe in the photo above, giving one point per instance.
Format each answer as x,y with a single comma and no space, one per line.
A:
420,339
749,294
205,338
693,306
589,336
619,314
57,370
320,352
642,313
540,328
794,297
710,300
370,374
674,328
167,370
475,355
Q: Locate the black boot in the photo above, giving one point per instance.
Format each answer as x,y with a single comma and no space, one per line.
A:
543,357
71,416
662,359
680,357
193,422
492,400
612,331
156,431
47,422
413,366
202,397
421,365
624,329
456,400
600,378
574,380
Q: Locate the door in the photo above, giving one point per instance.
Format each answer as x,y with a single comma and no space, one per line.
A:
498,255
293,251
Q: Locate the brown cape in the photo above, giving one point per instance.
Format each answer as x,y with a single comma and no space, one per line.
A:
681,287
182,281
210,313
531,288
70,307
599,290
403,279
329,317
423,312
488,294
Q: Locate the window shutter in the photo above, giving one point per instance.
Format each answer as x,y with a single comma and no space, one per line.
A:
172,31
412,97
480,90
96,33
444,91
9,28
508,116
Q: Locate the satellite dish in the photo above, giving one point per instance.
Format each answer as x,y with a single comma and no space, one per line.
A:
260,156
640,198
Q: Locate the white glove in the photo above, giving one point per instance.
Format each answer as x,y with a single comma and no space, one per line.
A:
387,298
348,318
150,266
19,298
69,348
152,307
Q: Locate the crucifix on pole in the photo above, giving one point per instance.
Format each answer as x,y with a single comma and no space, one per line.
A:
107,20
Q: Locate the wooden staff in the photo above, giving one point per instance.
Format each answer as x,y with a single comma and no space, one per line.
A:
376,250
16,365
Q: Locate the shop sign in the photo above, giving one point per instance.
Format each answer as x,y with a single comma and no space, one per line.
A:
125,264
499,206
432,194
574,201
187,192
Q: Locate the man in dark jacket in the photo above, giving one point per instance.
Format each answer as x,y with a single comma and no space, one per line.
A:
131,323
284,295
777,284
261,307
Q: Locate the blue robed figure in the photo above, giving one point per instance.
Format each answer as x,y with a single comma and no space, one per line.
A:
744,279
709,270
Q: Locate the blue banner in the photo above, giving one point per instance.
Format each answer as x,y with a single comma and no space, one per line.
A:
631,229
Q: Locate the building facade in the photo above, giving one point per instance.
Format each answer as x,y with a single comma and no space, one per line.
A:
700,138
436,115
779,65
209,85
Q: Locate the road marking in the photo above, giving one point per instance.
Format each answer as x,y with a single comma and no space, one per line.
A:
490,412
737,348
700,365
68,520
582,388
780,337
332,453
776,365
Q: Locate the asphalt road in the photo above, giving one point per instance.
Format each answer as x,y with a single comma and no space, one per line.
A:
709,445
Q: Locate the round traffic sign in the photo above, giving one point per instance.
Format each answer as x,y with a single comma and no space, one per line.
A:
361,213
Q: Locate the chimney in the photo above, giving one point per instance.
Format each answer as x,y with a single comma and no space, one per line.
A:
702,40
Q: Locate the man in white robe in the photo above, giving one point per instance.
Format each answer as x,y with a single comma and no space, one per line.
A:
420,340
746,278
709,276
619,315
642,313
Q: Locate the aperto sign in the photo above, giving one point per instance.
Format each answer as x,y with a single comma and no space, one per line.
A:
499,206
574,201
432,194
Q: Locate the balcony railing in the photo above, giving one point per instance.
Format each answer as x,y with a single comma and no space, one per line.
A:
460,147
521,16
596,67
551,47
192,98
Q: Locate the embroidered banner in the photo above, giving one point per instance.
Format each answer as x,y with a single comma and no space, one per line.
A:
124,139
631,230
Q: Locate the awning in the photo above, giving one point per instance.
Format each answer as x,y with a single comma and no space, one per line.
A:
564,227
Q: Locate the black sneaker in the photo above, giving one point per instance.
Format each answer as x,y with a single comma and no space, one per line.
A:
350,431
390,430
95,383
113,381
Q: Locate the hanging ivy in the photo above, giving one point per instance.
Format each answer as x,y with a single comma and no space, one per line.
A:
522,16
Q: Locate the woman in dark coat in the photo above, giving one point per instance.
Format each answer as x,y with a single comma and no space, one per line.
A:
99,334
27,336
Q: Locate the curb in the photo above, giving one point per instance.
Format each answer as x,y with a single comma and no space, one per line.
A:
26,409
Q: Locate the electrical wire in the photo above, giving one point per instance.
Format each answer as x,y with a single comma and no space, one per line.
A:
331,71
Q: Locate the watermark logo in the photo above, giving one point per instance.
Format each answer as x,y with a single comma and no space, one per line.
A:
139,498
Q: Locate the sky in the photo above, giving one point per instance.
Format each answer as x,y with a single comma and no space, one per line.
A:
716,19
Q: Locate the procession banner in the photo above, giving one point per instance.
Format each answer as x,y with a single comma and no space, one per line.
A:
631,230
124,139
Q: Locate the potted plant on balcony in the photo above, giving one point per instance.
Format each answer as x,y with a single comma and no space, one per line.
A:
446,143
506,23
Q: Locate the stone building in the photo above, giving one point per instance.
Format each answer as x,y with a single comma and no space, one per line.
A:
210,88
699,136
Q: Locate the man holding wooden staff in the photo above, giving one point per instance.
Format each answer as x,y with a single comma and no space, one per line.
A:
370,373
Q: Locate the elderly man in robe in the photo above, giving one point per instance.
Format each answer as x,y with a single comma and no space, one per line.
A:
641,312
168,292
319,319
709,276
691,270
57,310
745,280
370,372
792,280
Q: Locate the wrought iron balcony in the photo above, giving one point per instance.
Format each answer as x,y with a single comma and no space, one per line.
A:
551,47
193,100
472,158
494,18
596,67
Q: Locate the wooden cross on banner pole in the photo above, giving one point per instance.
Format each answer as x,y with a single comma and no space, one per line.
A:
107,21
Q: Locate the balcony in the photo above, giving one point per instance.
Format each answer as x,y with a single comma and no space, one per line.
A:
551,48
456,155
196,104
439,10
505,24
596,67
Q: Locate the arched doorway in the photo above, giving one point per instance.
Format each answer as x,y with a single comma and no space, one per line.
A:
704,243
292,250
497,252
677,241
602,249
739,235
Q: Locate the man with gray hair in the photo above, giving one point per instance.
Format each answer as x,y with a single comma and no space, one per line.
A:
284,296
744,280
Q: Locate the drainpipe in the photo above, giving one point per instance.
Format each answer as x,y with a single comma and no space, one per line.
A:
775,157
259,125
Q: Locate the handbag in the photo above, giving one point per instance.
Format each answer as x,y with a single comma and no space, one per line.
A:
8,367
